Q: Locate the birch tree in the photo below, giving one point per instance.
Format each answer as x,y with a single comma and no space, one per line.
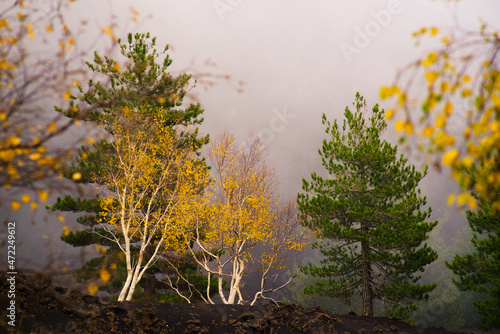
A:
148,178
242,221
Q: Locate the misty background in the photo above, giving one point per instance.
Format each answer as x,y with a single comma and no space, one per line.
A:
291,56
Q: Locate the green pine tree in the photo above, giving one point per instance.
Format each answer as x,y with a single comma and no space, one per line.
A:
368,213
480,271
143,81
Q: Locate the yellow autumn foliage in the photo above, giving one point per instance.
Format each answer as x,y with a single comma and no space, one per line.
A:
461,79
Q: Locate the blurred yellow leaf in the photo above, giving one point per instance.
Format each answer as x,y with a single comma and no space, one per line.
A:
466,93
25,198
428,131
463,198
431,77
33,205
467,161
76,176
409,128
105,275
43,195
399,125
13,141
445,87
52,127
389,114
92,289
16,205
440,122
448,108
451,199
450,157
7,155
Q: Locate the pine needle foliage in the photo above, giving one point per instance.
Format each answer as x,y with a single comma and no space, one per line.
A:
368,215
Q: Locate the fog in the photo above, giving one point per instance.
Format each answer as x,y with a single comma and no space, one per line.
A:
298,59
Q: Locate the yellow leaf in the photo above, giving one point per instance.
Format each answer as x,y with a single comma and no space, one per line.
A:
463,198
472,202
25,198
101,249
48,28
35,156
431,77
13,141
495,126
399,125
43,195
448,108
16,205
385,92
33,205
389,113
467,161
409,128
7,155
92,289
451,200
445,87
52,127
114,265
61,219
450,157
440,122
76,176
104,275
428,131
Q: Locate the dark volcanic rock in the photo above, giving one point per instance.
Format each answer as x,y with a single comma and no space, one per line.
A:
42,308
